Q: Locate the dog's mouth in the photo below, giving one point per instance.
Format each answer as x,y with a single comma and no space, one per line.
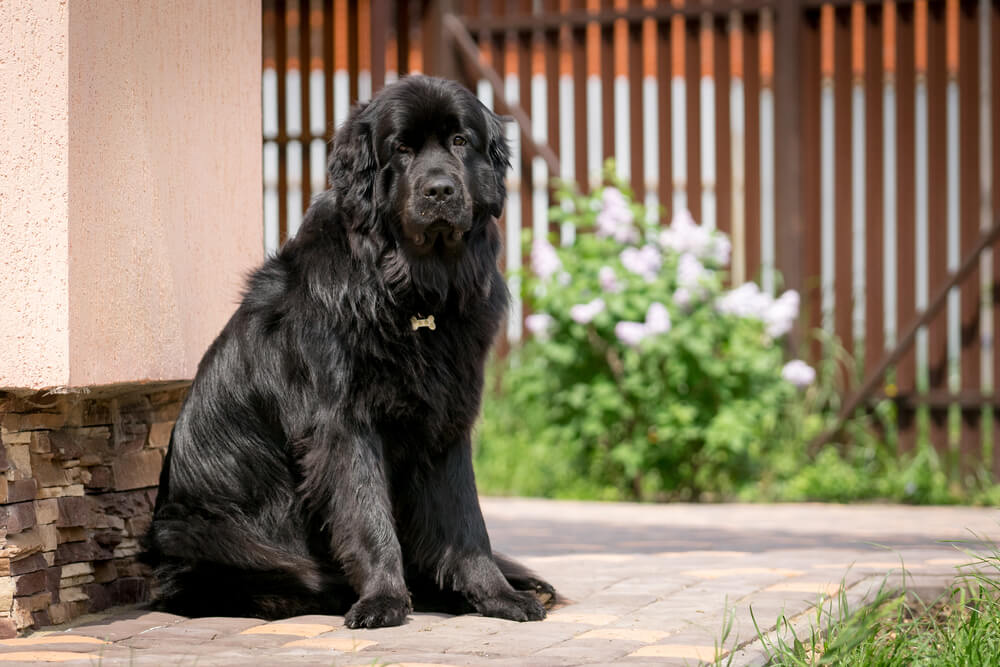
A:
439,231
439,236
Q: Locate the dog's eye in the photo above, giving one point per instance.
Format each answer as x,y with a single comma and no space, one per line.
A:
459,140
403,148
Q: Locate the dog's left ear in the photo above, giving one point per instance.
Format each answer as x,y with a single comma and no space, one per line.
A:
499,155
352,166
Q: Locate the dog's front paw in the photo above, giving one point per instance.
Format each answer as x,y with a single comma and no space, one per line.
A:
378,611
512,605
541,589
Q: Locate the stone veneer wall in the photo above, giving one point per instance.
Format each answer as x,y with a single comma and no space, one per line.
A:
79,480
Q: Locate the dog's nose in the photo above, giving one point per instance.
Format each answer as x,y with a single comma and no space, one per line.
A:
439,189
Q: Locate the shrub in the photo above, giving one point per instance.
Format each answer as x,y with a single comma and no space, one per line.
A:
643,377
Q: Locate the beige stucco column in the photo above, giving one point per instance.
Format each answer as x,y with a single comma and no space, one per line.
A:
130,184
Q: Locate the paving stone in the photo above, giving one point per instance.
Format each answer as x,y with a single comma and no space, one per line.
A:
286,628
584,651
29,657
332,643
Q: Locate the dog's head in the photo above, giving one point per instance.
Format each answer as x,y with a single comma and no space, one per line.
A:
423,162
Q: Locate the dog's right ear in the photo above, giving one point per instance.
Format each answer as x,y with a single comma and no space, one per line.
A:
352,167
498,152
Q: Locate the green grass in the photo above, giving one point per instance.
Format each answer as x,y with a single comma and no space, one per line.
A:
962,627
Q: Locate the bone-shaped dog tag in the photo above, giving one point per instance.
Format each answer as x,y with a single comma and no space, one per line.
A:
428,322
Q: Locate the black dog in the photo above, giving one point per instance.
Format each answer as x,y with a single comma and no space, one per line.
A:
322,461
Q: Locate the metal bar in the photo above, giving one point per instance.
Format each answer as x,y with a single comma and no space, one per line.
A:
965,399
872,380
455,29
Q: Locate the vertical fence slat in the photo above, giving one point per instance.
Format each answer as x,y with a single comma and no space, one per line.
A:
937,215
305,70
678,114
874,332
707,118
844,246
692,113
810,147
737,146
970,439
353,52
328,69
751,55
281,68
664,68
634,83
906,214
651,115
578,37
379,35
723,155
994,28
552,82
523,46
402,37
607,119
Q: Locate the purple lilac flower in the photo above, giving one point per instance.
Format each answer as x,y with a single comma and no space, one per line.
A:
685,235
657,319
631,333
682,297
544,260
744,301
643,261
609,281
799,373
690,271
778,315
539,324
615,219
781,314
722,249
583,313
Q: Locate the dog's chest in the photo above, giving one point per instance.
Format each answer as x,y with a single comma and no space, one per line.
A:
433,378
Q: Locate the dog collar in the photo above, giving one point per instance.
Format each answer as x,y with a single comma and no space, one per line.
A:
418,322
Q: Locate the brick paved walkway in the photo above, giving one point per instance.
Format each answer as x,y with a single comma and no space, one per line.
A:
649,585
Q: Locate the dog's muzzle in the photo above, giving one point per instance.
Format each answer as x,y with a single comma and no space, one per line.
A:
440,209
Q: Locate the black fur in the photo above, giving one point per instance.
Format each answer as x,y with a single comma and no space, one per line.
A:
322,460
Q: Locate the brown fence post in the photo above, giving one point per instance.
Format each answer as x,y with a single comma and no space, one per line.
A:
439,51
788,149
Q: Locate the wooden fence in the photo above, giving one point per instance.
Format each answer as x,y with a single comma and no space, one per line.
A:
848,148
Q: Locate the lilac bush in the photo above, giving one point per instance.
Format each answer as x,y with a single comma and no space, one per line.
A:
647,374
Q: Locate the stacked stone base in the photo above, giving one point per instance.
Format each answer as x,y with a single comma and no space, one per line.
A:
79,474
